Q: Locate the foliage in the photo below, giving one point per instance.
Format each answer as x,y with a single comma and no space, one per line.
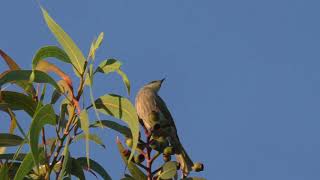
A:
51,156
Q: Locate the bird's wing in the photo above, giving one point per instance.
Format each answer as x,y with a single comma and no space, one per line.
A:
162,107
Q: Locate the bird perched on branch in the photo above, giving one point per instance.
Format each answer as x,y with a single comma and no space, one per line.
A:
148,103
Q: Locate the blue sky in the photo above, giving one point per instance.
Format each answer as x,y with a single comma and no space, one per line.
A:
243,77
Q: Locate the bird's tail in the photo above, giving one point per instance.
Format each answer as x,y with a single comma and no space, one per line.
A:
182,157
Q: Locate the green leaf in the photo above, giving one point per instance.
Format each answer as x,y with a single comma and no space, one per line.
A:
121,108
76,57
92,51
95,45
91,91
48,52
76,169
114,126
10,62
25,167
99,40
66,155
113,65
70,166
45,115
169,170
14,66
7,140
11,155
133,169
194,178
24,75
95,166
109,66
125,80
93,137
18,101
84,120
4,172
127,178
55,96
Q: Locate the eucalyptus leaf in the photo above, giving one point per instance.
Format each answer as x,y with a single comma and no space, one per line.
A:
76,57
93,137
169,170
14,66
84,120
10,62
7,140
95,166
50,52
194,178
76,169
66,155
45,115
108,66
24,75
4,172
125,80
25,167
113,65
10,156
121,108
95,45
133,169
18,101
114,126
55,97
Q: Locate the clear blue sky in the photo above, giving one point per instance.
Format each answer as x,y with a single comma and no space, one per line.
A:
243,77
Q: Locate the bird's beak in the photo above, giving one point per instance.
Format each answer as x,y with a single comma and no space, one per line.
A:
162,80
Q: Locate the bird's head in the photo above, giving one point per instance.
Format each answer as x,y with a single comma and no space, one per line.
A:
155,85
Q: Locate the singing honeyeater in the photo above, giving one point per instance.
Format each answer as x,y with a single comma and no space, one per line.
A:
148,102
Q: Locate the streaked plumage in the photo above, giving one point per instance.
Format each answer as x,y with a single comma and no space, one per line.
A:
147,102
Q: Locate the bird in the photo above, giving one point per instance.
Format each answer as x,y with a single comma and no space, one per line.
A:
148,102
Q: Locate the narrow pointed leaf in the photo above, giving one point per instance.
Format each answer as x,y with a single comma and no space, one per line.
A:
24,75
95,45
76,169
93,137
45,115
10,62
125,80
48,67
18,101
113,65
114,126
99,40
4,172
55,97
92,51
25,167
90,78
133,169
169,170
7,140
109,66
84,120
14,66
128,178
76,57
121,108
66,155
95,166
11,155
50,52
